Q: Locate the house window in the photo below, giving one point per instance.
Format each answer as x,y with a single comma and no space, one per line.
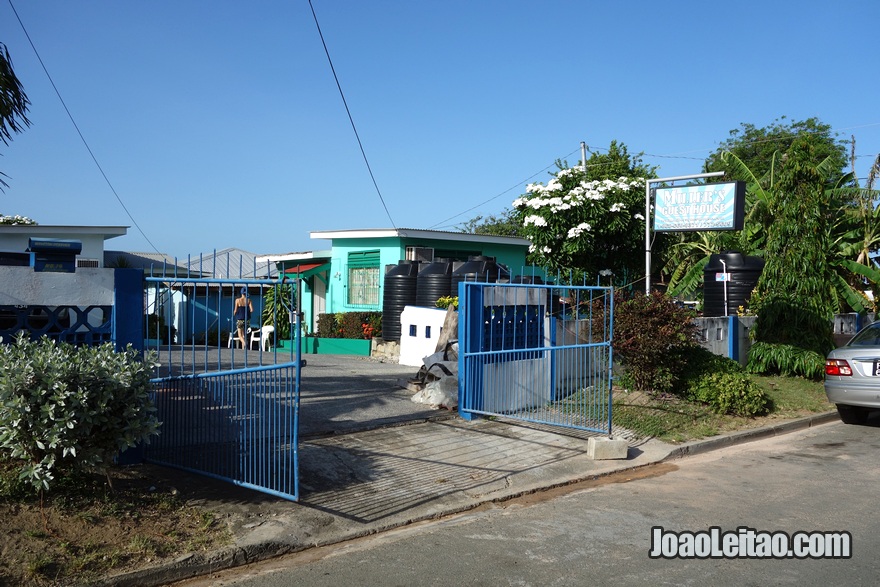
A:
363,278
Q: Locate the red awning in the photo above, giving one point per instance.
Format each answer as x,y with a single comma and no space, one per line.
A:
306,269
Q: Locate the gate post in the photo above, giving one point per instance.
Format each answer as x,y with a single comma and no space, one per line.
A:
470,338
733,337
128,309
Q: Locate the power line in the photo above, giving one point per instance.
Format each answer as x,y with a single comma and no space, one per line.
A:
75,126
495,197
350,119
680,155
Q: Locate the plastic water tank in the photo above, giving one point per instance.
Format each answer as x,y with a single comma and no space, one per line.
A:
742,273
433,282
398,292
478,268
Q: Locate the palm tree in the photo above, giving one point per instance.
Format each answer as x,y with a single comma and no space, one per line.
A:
13,104
853,224
691,254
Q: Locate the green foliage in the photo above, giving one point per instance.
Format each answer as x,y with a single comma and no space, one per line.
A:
589,219
156,328
277,302
786,360
730,393
327,327
350,325
508,223
63,407
13,108
446,301
649,331
793,297
791,166
756,147
699,361
720,383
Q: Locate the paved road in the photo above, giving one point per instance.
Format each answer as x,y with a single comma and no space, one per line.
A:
821,479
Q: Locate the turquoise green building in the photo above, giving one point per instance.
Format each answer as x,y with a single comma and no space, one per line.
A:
348,277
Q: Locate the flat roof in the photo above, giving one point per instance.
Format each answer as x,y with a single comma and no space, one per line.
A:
62,231
418,233
304,256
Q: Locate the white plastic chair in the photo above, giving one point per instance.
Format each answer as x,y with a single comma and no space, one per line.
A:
232,336
261,336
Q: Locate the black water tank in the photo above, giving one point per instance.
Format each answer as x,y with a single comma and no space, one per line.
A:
433,282
743,273
481,269
399,291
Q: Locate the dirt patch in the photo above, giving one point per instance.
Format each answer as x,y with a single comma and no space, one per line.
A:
78,534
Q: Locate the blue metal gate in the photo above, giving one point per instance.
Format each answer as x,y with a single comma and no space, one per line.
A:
227,412
539,353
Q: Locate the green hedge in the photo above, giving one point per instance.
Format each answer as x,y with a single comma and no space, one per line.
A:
350,325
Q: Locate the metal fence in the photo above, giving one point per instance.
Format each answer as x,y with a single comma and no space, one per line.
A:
539,353
240,426
227,411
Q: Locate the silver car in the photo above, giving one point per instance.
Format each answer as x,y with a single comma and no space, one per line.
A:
852,376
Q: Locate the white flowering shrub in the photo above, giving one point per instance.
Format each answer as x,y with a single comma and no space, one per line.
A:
17,220
65,408
586,221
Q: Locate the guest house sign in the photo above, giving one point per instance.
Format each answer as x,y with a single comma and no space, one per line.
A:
713,206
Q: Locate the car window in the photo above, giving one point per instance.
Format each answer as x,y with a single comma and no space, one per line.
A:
870,336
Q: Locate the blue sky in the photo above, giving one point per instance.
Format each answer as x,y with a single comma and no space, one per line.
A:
219,124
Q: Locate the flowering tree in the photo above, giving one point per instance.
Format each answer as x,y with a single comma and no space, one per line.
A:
16,220
588,222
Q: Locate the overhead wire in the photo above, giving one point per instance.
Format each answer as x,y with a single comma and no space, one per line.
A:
680,155
78,132
495,197
350,118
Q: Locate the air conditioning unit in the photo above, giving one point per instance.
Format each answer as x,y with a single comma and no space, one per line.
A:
423,254
87,262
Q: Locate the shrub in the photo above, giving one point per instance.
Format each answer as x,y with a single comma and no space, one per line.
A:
276,304
721,383
696,361
446,301
786,359
327,326
648,332
69,408
730,393
353,324
350,325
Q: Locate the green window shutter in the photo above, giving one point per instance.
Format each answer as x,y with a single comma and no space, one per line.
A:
363,278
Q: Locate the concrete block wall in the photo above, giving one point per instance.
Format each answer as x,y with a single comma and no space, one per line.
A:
714,335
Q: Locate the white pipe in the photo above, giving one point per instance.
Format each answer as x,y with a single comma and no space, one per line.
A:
724,267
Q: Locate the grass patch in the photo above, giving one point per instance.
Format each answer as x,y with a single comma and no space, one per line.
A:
83,530
672,419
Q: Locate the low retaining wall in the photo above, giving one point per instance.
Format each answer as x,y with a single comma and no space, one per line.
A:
714,333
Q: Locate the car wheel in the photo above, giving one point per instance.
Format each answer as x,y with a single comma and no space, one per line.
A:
852,414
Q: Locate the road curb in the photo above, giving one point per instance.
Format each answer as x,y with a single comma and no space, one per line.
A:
193,565
744,436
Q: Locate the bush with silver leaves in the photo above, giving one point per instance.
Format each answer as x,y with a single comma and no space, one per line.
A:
66,408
